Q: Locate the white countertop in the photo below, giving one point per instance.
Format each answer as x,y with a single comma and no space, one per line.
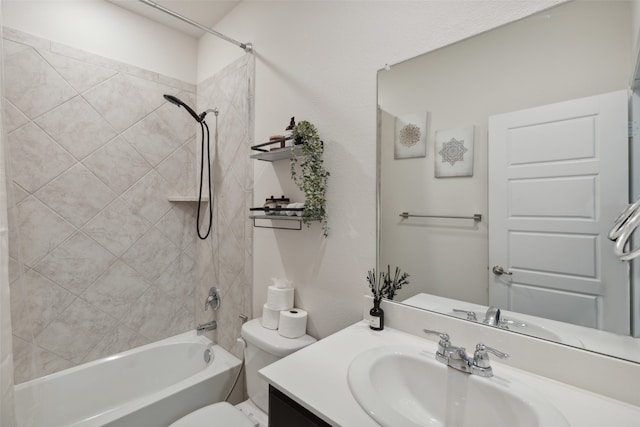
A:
316,378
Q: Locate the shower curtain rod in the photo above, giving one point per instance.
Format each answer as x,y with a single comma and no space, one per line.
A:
247,47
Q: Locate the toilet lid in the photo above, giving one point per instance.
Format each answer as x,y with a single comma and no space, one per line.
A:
220,414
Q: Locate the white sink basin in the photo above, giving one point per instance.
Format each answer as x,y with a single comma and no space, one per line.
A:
402,386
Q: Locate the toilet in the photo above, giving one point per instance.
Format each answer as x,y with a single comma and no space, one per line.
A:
264,346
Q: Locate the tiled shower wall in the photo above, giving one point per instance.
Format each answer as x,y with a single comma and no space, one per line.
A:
101,261
225,260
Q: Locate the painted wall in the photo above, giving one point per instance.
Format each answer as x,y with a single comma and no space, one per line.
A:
107,30
318,61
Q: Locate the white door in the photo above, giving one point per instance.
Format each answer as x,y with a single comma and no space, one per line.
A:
558,179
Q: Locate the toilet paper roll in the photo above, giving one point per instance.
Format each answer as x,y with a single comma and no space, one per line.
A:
279,298
270,317
293,323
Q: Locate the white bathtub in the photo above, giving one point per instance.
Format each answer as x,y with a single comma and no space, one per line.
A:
148,386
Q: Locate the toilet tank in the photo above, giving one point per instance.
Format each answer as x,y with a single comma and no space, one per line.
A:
265,346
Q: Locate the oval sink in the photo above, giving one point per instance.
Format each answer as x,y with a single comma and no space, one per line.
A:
402,386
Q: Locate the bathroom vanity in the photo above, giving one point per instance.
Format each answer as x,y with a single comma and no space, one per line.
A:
316,379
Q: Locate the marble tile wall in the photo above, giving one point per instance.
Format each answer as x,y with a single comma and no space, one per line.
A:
6,348
225,260
100,260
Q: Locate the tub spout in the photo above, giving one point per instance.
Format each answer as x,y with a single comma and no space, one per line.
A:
209,326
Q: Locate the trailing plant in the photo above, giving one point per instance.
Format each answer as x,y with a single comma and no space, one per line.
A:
383,286
311,177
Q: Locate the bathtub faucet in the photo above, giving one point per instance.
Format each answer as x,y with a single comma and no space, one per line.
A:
204,327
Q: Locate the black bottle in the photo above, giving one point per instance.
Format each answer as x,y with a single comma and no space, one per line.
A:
376,316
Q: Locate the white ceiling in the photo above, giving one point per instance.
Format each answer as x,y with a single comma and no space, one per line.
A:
205,12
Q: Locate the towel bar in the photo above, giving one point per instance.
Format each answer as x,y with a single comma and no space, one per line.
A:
475,217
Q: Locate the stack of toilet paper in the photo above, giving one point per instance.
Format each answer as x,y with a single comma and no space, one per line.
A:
278,312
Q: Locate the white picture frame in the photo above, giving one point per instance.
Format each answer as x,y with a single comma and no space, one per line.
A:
454,152
411,136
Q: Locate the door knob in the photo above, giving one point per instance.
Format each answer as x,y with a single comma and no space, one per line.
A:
499,271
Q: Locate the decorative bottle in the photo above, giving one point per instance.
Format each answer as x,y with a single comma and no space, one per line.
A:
289,130
376,316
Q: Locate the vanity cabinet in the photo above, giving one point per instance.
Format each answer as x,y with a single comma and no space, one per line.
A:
284,412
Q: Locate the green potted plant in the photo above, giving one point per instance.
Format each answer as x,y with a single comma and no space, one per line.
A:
309,174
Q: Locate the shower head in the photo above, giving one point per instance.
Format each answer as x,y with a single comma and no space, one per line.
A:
176,101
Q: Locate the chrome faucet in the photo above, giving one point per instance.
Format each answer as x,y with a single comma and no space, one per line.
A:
492,317
457,357
204,327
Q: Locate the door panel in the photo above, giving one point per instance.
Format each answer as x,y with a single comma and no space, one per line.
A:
563,306
557,180
553,141
568,254
570,197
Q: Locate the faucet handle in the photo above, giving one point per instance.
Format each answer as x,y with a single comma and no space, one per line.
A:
471,315
444,337
213,299
481,363
443,344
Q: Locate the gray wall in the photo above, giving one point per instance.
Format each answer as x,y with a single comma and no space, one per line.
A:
100,260
225,260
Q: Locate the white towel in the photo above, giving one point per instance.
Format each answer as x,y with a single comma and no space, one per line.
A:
295,206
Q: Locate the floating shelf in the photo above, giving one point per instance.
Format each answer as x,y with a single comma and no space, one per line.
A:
295,219
279,214
274,155
277,217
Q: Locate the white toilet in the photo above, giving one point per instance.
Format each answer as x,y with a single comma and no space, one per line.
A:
264,346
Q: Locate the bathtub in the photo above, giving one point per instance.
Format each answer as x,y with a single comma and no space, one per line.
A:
152,386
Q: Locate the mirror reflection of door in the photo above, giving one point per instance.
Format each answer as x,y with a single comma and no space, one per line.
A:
558,179
634,178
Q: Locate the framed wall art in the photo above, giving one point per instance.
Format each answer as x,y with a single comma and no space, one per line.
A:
411,136
454,152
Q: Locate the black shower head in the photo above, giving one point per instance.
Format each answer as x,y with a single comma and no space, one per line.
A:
172,99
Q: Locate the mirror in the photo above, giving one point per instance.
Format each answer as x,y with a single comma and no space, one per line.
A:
430,103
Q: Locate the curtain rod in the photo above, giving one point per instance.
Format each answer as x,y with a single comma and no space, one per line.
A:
247,47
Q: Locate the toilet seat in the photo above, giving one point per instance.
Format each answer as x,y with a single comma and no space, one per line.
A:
221,414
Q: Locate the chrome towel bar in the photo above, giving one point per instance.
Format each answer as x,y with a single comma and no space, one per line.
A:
475,217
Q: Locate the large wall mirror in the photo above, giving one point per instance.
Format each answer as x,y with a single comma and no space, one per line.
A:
504,159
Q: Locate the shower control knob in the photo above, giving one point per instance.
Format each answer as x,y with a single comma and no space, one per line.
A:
499,271
213,299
